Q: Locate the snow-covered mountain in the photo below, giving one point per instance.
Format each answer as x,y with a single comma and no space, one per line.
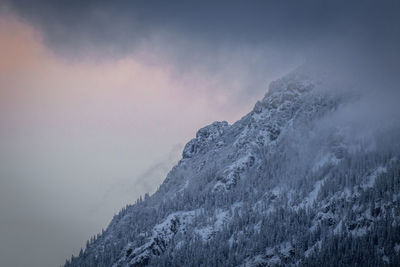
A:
291,183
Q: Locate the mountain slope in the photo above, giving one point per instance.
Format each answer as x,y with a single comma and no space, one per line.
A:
289,183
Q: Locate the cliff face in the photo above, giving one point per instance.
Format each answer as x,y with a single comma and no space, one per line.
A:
289,183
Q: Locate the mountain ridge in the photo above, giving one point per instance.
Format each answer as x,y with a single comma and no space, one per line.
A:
284,185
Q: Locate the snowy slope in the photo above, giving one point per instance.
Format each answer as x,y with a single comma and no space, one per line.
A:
286,184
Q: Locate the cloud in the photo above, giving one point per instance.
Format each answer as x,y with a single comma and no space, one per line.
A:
93,93
238,45
144,182
72,130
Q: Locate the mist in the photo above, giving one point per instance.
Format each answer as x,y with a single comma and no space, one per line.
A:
97,99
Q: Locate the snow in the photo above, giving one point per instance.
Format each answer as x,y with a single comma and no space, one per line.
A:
277,190
205,233
338,228
285,249
163,231
385,259
312,196
183,217
312,249
360,231
275,260
204,137
242,138
257,260
221,218
185,185
329,158
257,227
371,178
180,244
397,247
258,116
233,171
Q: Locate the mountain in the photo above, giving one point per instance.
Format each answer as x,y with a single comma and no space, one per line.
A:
300,180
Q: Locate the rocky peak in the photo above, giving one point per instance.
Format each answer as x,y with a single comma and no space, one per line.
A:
204,137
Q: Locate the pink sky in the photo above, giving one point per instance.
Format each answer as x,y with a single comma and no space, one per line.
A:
40,88
91,135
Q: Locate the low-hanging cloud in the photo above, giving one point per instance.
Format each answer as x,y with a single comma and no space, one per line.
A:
93,93
72,130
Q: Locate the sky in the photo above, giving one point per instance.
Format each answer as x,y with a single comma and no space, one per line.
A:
98,98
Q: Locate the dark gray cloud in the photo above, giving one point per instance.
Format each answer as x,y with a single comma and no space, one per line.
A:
286,23
193,34
122,24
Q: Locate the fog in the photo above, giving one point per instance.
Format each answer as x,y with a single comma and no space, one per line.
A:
97,99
